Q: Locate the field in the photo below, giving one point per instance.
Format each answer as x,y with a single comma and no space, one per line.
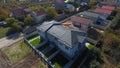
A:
17,52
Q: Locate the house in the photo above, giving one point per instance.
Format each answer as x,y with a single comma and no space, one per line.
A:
92,15
108,8
112,2
70,42
5,1
80,22
70,8
27,11
17,11
59,4
98,19
82,2
39,15
103,11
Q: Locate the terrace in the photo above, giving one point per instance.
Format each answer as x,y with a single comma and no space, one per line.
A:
34,40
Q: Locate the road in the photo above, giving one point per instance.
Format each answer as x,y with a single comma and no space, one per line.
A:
9,40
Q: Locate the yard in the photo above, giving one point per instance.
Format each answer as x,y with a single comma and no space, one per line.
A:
35,42
4,31
17,52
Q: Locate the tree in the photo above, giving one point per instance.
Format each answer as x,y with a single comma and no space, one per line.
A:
16,26
95,64
111,40
2,17
10,21
51,13
29,20
21,18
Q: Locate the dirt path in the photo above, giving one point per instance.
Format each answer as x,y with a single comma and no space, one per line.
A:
9,40
27,62
4,62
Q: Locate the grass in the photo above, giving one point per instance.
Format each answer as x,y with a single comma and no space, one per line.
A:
4,31
35,42
57,65
17,52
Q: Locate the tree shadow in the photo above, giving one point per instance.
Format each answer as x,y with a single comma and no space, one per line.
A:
12,34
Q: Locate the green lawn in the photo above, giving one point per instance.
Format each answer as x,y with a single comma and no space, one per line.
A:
57,65
32,37
17,52
4,31
35,42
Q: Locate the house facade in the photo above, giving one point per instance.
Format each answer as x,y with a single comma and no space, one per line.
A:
39,15
70,42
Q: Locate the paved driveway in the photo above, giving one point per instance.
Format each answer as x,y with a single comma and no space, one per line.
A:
9,40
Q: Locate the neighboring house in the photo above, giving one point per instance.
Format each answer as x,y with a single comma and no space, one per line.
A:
17,11
59,4
71,42
80,22
39,15
5,1
70,8
27,11
112,2
103,11
98,19
108,8
82,2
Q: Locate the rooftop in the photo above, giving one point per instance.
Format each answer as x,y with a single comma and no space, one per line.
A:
108,7
40,12
67,36
104,11
81,20
92,15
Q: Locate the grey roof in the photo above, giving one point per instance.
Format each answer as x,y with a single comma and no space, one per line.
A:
46,25
92,15
69,37
66,36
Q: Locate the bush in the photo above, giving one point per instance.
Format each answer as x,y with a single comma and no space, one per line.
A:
95,64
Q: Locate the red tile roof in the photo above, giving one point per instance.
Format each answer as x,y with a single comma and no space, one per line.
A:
40,12
81,20
104,11
108,7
